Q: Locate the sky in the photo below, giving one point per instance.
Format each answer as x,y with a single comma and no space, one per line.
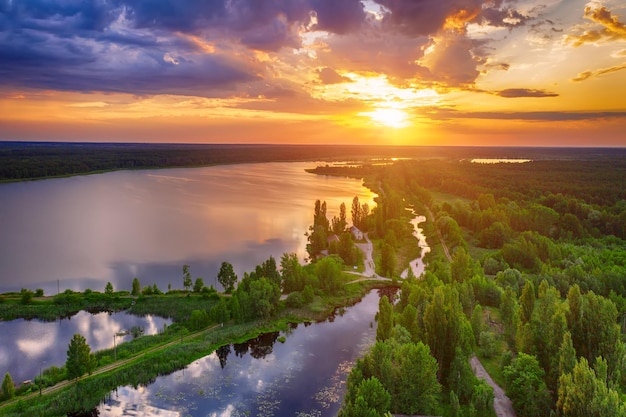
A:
384,72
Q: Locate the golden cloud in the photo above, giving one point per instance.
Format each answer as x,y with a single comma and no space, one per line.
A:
589,73
613,29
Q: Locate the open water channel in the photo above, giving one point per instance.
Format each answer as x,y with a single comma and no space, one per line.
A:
304,376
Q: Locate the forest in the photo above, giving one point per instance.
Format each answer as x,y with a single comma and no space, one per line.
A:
32,160
534,285
527,271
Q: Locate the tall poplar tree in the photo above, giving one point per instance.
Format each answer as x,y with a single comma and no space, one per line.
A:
8,388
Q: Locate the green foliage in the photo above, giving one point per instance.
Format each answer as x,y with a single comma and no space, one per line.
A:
385,319
79,359
489,344
482,397
294,276
407,371
328,271
108,288
461,379
186,277
477,322
268,270
446,328
371,400
527,302
226,276
8,388
198,285
264,295
26,296
387,267
582,393
525,386
198,320
136,287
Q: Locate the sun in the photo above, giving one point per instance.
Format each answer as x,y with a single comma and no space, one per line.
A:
394,118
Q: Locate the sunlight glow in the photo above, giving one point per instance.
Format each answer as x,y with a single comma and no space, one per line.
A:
394,118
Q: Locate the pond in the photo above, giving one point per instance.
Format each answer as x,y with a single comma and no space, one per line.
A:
304,376
27,346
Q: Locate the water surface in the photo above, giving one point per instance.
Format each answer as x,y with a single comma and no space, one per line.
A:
87,230
26,346
305,376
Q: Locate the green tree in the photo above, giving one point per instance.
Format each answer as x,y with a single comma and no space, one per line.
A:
356,212
108,289
198,285
462,265
79,359
136,287
187,281
339,223
198,319
385,319
294,275
525,386
265,295
477,322
527,302
482,397
371,399
8,388
446,328
227,277
387,261
567,355
26,296
328,271
583,394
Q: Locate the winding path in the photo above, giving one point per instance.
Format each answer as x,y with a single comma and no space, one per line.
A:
106,368
501,403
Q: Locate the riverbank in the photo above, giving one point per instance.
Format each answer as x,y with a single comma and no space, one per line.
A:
170,355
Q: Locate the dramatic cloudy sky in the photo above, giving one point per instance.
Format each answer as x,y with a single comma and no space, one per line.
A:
423,72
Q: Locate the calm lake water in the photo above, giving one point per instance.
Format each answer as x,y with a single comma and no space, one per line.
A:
87,230
305,376
27,346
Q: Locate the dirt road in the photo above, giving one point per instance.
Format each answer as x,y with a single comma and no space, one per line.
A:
501,403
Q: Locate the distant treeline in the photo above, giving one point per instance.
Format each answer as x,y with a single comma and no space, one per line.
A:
30,160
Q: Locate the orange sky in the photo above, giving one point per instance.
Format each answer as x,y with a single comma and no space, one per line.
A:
405,72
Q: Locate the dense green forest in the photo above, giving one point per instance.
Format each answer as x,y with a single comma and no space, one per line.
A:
535,285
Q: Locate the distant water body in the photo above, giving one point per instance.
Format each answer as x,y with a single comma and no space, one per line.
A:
87,230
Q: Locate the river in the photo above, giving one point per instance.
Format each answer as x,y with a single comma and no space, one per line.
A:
86,230
304,376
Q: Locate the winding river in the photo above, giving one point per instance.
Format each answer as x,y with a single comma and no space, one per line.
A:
304,376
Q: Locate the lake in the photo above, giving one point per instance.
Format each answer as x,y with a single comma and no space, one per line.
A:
304,376
86,230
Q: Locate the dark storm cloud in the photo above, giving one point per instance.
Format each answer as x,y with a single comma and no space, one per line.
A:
524,92
426,17
338,16
143,47
164,46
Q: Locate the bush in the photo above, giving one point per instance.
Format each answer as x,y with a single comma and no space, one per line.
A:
489,344
294,300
